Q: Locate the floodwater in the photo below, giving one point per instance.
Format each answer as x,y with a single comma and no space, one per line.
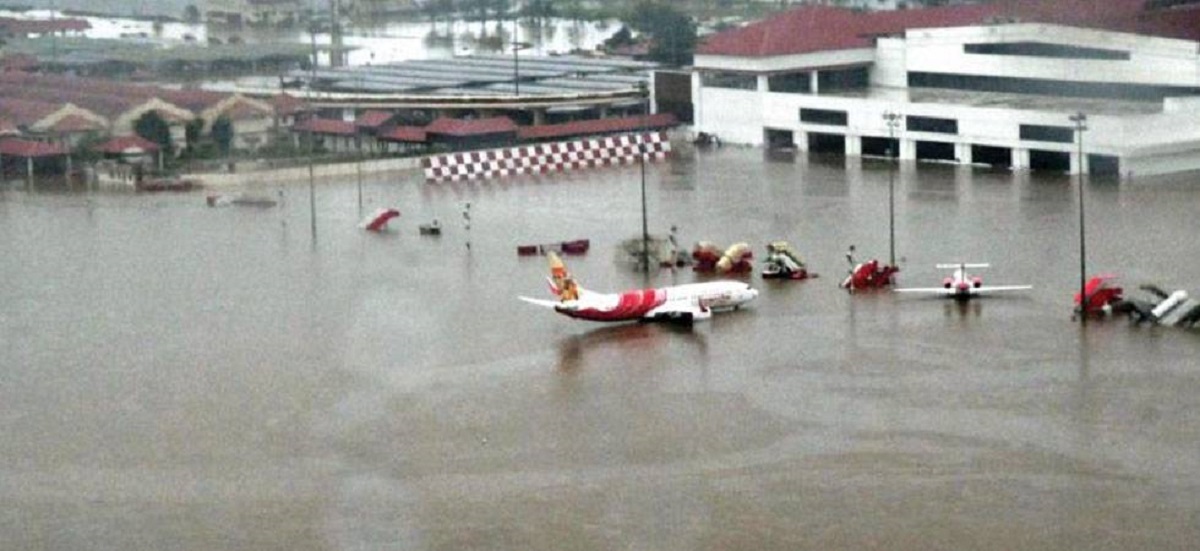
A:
177,376
386,41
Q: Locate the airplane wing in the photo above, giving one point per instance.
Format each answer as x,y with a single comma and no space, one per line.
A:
543,303
678,313
927,290
1000,288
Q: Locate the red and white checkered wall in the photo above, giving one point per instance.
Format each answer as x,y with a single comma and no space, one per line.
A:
543,158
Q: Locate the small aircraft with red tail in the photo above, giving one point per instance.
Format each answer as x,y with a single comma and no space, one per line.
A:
679,304
963,286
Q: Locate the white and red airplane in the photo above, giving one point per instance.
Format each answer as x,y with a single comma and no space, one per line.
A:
963,286
679,303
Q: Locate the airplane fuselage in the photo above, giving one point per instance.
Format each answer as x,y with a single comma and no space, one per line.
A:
688,302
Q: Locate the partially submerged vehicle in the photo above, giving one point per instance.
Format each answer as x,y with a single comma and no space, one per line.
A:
574,246
735,259
1176,309
871,274
783,262
240,200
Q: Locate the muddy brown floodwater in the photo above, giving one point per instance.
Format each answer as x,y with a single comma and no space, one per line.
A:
178,376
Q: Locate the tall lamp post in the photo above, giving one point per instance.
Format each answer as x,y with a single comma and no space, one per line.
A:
312,115
1080,120
517,47
644,93
892,120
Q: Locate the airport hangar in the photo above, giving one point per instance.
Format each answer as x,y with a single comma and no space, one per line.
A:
962,84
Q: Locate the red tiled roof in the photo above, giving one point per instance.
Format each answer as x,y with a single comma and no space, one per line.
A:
408,134
373,118
13,26
599,126
122,144
195,100
471,127
17,147
73,124
241,111
18,62
286,104
819,28
25,112
326,126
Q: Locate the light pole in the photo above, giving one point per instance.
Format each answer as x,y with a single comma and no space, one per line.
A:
312,115
892,120
644,92
1080,120
517,47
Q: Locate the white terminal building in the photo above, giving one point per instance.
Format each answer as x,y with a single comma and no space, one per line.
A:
1001,84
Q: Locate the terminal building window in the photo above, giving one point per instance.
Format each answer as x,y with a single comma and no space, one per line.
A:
1041,49
1040,133
845,79
790,83
737,81
823,116
931,124
1057,88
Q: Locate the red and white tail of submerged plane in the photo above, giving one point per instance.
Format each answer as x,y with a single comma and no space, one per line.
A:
679,303
962,285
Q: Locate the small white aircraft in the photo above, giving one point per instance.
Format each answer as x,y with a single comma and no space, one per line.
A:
679,303
963,286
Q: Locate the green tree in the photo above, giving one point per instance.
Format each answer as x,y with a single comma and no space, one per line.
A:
672,33
191,135
222,134
191,14
152,127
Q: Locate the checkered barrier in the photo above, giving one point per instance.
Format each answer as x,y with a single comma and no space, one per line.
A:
544,158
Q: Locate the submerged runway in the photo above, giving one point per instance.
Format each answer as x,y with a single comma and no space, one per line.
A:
178,375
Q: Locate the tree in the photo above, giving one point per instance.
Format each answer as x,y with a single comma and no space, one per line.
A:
152,127
191,135
222,134
672,32
191,14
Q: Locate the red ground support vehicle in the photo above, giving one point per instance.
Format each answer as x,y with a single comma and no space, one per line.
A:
1102,295
870,275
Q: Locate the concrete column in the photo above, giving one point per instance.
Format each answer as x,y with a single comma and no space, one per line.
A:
1080,164
963,152
1020,158
908,150
814,83
539,114
761,83
801,139
29,168
853,146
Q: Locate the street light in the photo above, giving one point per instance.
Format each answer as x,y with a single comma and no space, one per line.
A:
517,46
1080,120
312,115
644,93
892,120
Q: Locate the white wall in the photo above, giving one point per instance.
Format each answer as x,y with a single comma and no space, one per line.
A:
1154,61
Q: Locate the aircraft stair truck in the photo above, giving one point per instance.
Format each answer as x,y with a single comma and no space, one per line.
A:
783,262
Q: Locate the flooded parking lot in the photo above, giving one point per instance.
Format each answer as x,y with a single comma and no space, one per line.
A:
178,375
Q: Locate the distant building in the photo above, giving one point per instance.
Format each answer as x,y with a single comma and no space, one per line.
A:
263,13
988,84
